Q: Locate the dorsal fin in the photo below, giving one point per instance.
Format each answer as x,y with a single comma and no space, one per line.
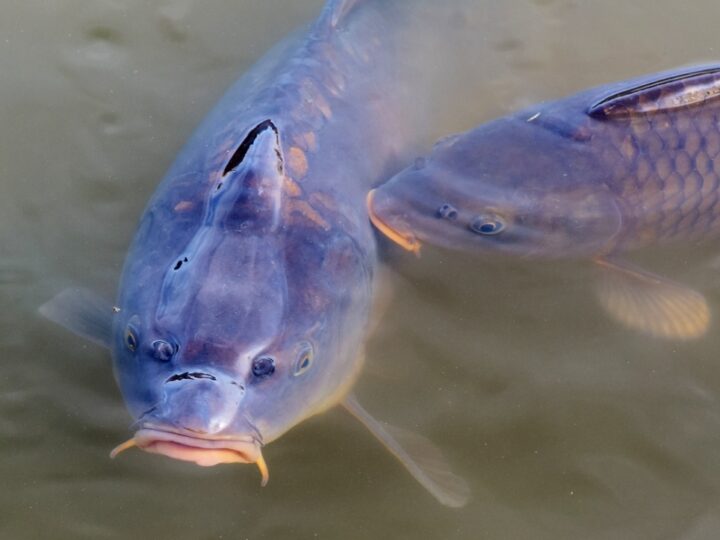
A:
665,92
335,11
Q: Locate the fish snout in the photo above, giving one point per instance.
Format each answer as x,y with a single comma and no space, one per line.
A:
198,419
201,402
388,216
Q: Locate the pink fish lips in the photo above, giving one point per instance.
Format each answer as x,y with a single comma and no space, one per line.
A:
205,452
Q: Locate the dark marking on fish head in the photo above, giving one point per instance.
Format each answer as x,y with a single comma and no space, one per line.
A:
249,193
203,402
242,150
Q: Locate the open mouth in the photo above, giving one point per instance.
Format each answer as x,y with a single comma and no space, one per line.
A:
205,452
405,240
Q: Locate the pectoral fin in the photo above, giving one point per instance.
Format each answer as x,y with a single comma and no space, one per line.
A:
82,312
650,303
419,456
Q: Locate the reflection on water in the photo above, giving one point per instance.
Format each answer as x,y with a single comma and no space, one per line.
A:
565,424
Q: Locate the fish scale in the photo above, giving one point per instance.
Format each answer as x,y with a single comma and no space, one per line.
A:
664,196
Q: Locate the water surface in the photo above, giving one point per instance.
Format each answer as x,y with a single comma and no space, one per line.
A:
566,425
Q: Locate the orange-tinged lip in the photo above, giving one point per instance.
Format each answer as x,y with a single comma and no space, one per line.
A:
205,452
406,241
205,457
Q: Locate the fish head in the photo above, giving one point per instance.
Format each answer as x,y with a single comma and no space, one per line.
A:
509,186
233,329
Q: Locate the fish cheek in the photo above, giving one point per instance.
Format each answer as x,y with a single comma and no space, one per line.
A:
136,383
582,223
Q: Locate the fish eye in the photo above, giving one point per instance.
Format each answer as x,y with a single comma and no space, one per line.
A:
304,361
162,350
131,340
263,366
487,225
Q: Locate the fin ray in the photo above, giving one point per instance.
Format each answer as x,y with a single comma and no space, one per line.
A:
420,457
650,303
82,312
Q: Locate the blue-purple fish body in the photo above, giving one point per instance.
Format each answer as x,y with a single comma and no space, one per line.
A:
244,302
606,171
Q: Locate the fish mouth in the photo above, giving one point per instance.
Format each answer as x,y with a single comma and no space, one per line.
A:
405,239
204,451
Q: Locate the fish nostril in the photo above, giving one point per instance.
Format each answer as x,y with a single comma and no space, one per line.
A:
263,366
446,211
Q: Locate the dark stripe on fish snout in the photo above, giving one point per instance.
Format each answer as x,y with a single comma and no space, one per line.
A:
239,154
190,376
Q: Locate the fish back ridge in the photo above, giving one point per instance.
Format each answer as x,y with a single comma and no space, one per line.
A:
661,92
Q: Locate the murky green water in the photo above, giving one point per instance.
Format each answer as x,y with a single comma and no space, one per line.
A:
566,425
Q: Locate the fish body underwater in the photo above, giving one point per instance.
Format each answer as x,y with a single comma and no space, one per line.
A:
245,298
594,175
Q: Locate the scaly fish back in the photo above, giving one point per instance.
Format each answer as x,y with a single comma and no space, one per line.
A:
662,149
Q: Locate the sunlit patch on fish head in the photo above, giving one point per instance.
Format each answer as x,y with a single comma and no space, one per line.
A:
507,186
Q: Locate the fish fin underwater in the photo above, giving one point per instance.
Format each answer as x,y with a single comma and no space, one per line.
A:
650,303
83,313
419,456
